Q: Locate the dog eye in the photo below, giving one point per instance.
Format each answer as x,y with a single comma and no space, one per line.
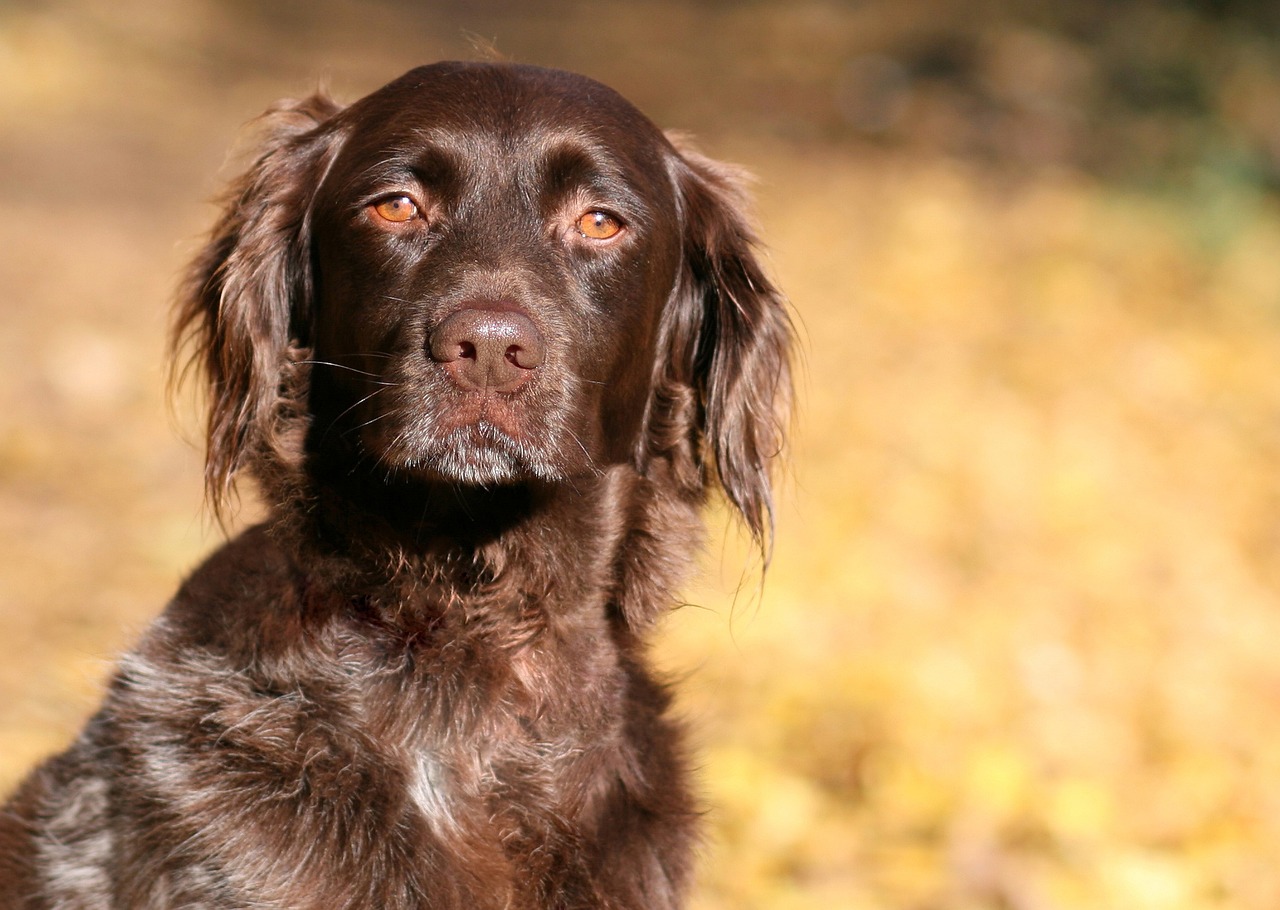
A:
396,209
599,226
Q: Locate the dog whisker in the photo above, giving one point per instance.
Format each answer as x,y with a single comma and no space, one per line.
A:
340,366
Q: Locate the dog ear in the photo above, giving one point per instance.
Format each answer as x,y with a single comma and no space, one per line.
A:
244,309
729,340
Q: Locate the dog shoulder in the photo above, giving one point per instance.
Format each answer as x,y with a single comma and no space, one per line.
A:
239,593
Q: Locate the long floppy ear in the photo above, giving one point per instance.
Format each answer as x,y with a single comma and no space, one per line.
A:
730,341
244,308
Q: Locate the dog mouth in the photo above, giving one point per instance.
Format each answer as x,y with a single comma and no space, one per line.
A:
471,437
486,415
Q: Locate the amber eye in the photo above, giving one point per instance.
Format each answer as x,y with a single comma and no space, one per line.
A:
396,209
599,226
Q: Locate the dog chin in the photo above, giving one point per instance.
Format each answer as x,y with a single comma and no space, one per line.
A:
483,456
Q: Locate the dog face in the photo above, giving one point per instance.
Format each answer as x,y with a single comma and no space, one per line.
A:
494,252
488,274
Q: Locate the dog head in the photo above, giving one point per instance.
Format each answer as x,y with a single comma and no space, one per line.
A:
486,274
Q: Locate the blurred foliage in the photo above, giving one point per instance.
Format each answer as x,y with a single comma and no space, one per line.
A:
1016,649
1027,600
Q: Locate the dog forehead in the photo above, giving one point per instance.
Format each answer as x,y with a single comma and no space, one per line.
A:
506,102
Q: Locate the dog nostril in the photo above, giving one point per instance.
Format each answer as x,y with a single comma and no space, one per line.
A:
523,357
466,350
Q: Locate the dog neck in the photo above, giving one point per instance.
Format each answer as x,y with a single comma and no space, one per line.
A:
388,540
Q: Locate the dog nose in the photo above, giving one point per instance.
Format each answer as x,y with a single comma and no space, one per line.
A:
488,349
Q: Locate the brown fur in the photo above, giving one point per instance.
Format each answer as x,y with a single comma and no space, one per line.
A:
421,682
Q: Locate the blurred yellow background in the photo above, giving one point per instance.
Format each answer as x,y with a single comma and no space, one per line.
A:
1020,644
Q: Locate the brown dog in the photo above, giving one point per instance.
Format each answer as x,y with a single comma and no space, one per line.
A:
485,339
